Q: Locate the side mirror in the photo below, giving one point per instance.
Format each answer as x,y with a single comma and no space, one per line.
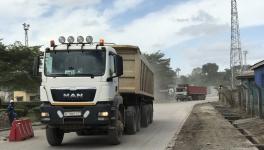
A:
119,65
36,64
118,68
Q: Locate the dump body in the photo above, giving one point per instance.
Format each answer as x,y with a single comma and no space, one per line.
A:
196,90
138,77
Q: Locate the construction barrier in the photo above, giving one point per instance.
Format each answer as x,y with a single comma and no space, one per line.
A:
21,130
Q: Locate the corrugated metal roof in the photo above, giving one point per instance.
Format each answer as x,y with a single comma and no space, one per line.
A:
246,75
257,65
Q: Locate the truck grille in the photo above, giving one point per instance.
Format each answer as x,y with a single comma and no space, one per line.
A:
80,95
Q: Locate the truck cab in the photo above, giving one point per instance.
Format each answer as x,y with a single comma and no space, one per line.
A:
181,92
79,90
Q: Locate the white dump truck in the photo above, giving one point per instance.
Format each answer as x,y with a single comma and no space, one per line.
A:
94,89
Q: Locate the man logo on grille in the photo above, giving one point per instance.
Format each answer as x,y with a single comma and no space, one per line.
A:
72,95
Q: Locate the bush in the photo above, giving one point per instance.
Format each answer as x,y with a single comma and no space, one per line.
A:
20,112
34,114
4,122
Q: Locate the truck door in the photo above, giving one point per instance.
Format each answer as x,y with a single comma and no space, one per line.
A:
112,72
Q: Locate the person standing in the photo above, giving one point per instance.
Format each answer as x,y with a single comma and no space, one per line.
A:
11,111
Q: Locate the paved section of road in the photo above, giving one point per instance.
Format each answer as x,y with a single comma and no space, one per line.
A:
168,120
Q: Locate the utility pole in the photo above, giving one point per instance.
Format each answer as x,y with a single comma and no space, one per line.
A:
245,57
26,28
245,67
178,72
235,52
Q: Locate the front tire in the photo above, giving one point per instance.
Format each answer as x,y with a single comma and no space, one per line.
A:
116,133
54,136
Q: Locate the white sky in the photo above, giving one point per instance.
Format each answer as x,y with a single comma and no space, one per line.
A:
190,32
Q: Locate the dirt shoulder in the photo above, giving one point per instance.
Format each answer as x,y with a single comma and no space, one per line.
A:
206,129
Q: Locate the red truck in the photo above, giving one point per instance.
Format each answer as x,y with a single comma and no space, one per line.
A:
186,92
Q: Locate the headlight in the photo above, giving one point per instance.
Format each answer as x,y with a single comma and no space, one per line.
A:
44,114
103,114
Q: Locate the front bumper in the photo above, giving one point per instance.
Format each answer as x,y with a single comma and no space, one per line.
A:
56,115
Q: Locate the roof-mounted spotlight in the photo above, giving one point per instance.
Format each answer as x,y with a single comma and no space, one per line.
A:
80,39
89,39
70,39
62,39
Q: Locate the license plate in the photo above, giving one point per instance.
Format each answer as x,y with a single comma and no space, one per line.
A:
72,113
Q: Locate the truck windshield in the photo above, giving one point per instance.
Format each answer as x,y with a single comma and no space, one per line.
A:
180,90
75,63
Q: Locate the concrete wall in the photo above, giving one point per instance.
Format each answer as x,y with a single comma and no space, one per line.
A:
23,96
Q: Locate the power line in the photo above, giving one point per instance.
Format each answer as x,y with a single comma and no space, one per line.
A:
235,52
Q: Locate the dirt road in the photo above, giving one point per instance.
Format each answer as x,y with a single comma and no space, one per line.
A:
169,118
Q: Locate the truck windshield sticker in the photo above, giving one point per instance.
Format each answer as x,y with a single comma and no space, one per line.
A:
70,72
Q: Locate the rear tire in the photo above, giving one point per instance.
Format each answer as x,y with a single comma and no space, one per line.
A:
151,113
144,116
54,136
138,118
131,120
80,133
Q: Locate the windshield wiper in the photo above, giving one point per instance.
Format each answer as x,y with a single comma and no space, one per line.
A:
85,74
57,75
71,75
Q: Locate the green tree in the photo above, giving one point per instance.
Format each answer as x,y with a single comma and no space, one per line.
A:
197,77
210,68
16,65
164,75
208,75
210,71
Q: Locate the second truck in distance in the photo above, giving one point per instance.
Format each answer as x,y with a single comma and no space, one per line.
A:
186,92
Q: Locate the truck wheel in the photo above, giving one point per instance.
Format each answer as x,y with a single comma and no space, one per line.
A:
138,118
116,133
190,98
131,120
151,113
81,133
54,136
144,116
